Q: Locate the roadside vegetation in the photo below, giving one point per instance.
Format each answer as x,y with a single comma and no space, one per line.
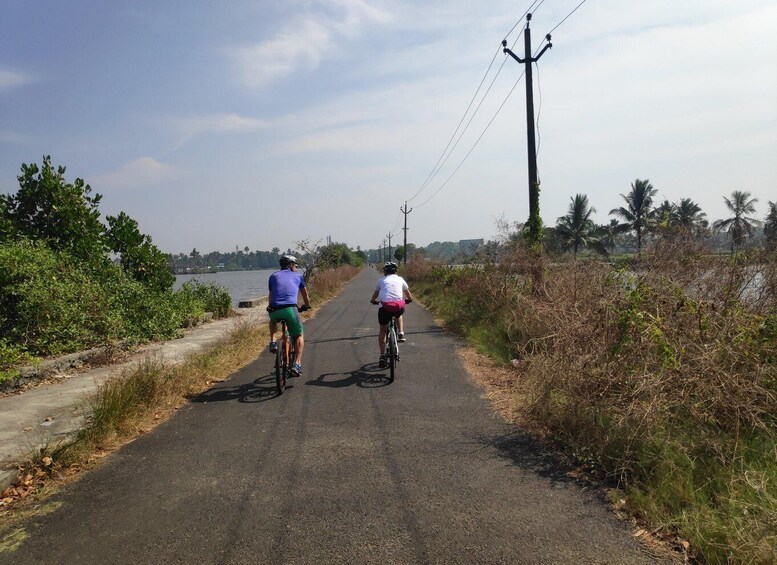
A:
657,371
69,282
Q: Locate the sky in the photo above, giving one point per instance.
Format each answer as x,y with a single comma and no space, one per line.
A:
258,123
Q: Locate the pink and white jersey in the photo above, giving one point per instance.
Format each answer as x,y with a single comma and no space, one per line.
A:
390,288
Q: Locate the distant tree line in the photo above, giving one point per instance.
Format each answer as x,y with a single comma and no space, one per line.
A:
327,256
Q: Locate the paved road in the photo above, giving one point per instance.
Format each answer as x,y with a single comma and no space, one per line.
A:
342,468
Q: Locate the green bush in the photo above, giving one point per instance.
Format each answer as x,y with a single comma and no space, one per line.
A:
205,297
48,303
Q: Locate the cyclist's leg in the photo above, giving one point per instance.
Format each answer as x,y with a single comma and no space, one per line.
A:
401,324
273,329
299,345
383,320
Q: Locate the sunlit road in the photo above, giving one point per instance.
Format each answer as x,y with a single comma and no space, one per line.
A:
342,468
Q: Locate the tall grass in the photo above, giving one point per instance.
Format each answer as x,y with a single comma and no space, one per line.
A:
664,378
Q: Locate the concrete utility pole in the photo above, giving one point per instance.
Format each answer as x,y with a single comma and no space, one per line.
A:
389,236
383,251
535,222
405,211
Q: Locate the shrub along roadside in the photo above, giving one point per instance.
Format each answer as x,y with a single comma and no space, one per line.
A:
51,304
664,379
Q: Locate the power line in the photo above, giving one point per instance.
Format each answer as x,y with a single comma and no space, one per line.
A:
567,17
517,23
476,143
472,117
434,170
443,158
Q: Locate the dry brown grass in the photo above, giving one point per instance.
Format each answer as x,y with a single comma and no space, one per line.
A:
663,377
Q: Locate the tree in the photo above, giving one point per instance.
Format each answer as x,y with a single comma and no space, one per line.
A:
606,235
741,225
688,216
63,215
770,223
140,258
637,212
576,229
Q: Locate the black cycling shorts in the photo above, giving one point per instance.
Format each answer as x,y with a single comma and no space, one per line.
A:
384,317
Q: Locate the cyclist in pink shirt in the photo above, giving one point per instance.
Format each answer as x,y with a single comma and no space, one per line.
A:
392,293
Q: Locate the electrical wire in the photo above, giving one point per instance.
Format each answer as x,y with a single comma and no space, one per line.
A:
567,17
477,141
434,170
475,144
443,158
472,117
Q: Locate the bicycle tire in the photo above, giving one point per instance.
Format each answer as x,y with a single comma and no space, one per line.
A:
282,363
279,369
392,353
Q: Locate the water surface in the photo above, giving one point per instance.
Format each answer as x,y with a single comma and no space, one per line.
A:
241,285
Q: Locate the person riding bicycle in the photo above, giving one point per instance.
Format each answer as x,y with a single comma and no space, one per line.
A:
285,286
392,293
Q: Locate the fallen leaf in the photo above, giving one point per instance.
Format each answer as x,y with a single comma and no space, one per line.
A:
686,545
47,461
639,532
28,429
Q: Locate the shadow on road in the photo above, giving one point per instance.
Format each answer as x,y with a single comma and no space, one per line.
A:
366,376
523,451
429,330
258,390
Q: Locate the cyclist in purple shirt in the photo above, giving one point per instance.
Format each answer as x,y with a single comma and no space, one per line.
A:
285,286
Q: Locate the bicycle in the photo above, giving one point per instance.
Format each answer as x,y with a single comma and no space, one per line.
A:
284,356
391,353
392,347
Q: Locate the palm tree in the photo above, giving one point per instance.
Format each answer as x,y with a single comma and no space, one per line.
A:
689,217
576,229
637,213
740,226
770,224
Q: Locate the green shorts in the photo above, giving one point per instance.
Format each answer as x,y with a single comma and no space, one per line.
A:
291,315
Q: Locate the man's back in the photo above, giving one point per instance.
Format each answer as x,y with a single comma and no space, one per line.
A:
284,287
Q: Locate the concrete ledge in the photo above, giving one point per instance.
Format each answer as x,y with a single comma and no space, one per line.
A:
251,302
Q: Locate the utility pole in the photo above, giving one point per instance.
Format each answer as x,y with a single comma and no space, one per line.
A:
405,211
389,236
383,251
535,222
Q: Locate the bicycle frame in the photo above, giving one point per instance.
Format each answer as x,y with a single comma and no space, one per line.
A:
283,358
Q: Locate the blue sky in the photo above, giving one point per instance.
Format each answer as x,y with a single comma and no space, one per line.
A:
260,123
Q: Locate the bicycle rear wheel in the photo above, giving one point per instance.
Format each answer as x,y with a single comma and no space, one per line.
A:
279,369
282,364
392,352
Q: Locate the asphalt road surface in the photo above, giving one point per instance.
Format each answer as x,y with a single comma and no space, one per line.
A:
344,467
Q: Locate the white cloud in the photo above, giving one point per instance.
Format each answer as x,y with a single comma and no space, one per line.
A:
304,42
137,173
188,128
12,79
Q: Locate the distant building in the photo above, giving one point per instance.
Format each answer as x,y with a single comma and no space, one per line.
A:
470,244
